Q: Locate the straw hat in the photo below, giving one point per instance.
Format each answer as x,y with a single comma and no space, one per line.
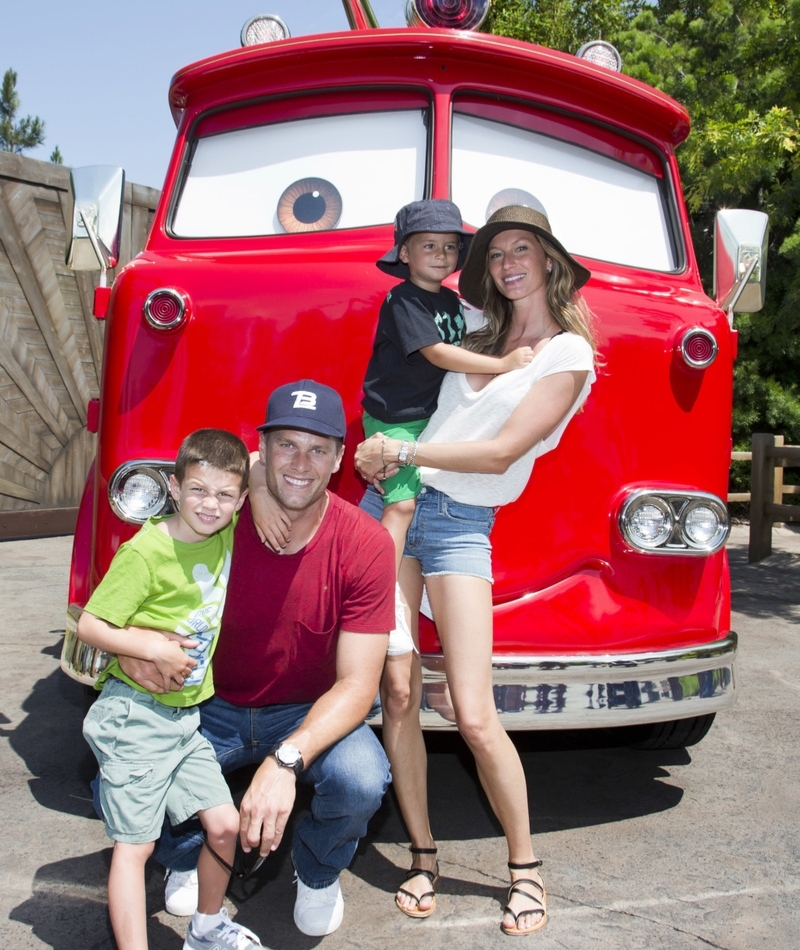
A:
510,218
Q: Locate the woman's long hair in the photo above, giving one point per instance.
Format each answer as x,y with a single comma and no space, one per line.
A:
567,306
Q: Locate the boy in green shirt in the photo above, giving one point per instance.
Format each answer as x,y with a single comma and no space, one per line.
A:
166,584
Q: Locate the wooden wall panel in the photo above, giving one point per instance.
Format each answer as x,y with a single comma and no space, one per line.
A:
51,347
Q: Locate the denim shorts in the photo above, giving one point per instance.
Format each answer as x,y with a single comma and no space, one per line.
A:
446,536
153,761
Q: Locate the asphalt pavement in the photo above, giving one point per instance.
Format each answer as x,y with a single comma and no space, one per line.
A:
684,849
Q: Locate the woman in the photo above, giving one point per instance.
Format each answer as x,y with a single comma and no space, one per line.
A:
476,454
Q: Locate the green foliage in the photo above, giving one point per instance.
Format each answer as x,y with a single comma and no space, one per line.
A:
56,157
16,136
560,24
734,64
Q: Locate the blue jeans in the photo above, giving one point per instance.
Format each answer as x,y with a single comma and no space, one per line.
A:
349,779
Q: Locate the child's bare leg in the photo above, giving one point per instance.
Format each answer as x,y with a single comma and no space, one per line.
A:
221,825
396,518
126,896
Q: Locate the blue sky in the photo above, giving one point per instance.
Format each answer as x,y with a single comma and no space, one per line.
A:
98,73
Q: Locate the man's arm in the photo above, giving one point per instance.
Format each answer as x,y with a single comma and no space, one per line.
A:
159,677
267,804
154,646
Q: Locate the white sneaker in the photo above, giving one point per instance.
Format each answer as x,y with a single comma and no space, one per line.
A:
180,893
318,911
225,936
400,639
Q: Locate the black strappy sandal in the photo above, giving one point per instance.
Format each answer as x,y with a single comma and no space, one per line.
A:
539,901
432,876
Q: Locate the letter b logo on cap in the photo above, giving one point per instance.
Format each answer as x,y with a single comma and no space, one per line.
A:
304,399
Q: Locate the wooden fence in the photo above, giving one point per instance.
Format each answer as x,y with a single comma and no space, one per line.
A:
768,459
50,346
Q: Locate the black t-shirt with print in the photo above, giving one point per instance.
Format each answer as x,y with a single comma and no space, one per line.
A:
400,384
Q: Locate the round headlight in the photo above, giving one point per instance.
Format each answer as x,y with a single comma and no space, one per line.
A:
704,525
138,492
649,523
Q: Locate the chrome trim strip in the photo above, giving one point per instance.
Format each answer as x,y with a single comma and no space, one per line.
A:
595,692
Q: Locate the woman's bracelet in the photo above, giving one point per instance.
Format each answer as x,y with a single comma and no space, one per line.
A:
413,454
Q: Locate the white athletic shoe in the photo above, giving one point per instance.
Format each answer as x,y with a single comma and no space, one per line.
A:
318,910
180,893
225,936
400,639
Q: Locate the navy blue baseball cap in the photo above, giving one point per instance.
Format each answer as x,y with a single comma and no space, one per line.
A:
437,215
306,405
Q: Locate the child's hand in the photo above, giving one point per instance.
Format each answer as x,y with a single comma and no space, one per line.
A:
272,523
168,664
518,358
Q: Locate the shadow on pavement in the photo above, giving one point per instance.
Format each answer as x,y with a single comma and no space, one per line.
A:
50,743
768,588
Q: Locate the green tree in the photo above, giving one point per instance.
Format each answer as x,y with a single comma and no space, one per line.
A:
16,136
56,157
734,65
560,24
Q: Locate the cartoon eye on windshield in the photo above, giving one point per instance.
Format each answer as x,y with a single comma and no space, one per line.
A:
310,204
263,179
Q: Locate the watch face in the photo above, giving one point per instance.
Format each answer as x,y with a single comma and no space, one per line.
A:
287,755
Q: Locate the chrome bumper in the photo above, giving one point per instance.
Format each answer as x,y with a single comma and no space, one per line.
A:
549,692
595,692
78,660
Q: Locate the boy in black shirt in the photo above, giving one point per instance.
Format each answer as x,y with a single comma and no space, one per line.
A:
420,329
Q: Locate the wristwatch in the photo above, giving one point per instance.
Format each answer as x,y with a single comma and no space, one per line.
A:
288,757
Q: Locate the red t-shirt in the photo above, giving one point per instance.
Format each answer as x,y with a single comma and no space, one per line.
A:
283,612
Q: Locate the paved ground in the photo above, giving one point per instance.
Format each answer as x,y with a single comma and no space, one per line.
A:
682,850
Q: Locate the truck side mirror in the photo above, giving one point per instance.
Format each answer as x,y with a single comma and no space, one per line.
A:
95,217
740,260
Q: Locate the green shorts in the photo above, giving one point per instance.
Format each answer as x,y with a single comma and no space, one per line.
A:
153,761
406,483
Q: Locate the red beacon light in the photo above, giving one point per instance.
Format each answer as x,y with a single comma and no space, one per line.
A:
448,14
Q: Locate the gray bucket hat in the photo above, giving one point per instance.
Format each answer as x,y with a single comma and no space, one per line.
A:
436,215
510,218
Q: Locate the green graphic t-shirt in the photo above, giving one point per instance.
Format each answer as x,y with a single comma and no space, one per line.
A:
159,582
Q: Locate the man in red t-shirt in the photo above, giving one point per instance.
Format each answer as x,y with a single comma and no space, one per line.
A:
300,653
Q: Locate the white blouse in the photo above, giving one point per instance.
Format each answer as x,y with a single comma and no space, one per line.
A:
464,415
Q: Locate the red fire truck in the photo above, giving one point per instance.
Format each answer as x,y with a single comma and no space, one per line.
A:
611,594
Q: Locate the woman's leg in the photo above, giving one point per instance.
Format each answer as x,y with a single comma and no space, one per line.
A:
401,691
462,606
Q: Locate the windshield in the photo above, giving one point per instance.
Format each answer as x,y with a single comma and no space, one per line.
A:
598,205
312,174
